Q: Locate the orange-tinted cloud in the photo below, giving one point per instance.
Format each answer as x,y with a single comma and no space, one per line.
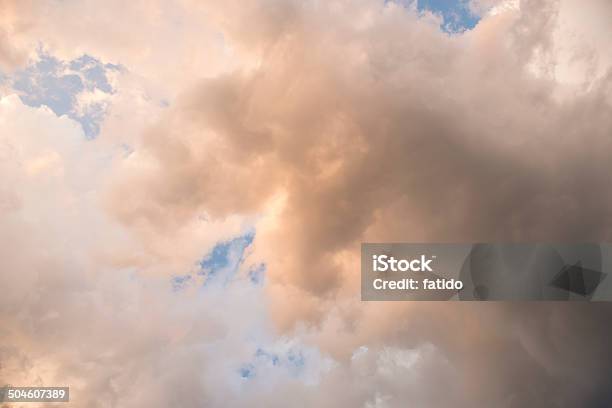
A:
324,124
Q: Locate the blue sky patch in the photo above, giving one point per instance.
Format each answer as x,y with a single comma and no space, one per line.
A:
63,85
222,263
291,361
257,273
267,356
180,282
456,14
247,371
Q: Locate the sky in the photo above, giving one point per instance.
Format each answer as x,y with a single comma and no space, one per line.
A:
184,187
457,16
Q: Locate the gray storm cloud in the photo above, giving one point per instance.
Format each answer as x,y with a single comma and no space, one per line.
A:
334,123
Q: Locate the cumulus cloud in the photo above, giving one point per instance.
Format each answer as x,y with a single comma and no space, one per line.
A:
318,125
382,128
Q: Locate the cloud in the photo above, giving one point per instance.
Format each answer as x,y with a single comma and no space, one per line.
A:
381,128
463,142
12,54
318,131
